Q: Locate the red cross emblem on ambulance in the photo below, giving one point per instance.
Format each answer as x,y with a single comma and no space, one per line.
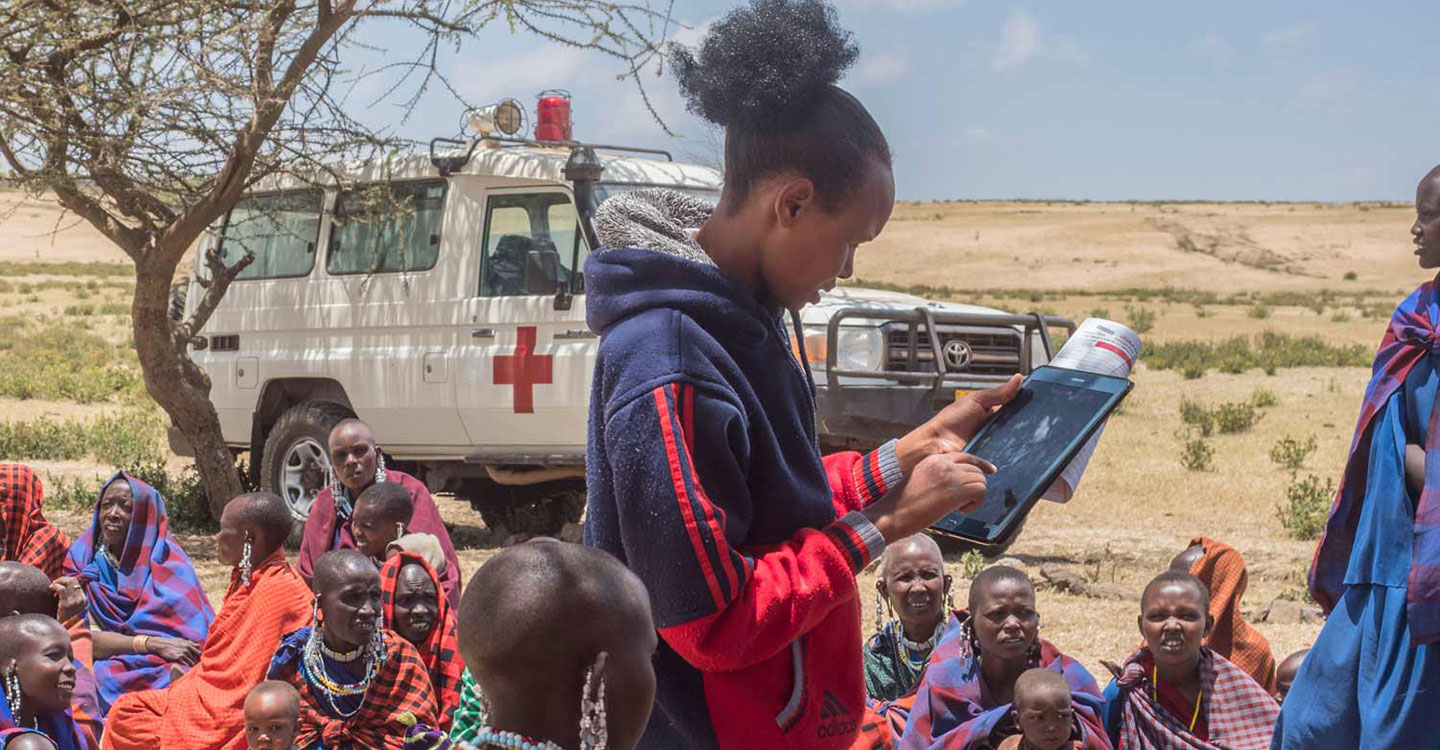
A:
524,370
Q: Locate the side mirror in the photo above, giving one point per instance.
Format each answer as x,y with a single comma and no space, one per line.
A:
542,272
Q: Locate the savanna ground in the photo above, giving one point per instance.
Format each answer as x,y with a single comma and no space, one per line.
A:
1187,274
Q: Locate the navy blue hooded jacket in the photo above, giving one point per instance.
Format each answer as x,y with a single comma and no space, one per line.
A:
706,479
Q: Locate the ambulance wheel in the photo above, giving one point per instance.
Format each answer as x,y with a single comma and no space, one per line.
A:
536,510
296,462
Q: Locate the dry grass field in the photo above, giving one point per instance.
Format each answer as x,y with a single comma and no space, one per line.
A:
1194,272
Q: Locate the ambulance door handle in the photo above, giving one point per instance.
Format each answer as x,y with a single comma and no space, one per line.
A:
575,333
482,333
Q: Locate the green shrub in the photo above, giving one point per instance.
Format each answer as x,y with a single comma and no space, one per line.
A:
971,563
42,440
1100,312
1258,312
1236,417
115,308
1268,351
185,498
1291,453
118,440
70,493
1340,317
1140,319
11,269
1263,398
58,360
1306,507
80,310
1201,312
1197,415
1350,276
1197,455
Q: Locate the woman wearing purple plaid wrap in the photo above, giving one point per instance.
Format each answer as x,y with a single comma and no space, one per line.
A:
1175,693
145,601
1371,677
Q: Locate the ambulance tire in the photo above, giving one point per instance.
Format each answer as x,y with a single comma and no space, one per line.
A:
300,436
535,510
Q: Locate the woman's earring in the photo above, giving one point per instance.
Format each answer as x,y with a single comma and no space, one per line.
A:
1034,654
379,466
13,698
879,613
967,635
246,567
315,610
594,734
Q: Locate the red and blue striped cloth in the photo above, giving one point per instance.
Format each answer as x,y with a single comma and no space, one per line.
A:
952,710
1409,338
155,592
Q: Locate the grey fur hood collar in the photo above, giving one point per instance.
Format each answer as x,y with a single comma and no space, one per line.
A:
653,219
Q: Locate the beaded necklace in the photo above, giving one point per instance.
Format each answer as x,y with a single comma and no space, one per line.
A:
1154,696
492,737
312,665
904,647
344,505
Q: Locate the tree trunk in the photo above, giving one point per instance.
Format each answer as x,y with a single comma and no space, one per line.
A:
180,386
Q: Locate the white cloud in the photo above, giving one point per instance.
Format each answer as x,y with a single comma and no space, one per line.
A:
1020,41
543,66
1213,46
1297,34
881,67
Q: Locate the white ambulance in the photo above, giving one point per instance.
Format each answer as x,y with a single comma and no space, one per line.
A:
455,326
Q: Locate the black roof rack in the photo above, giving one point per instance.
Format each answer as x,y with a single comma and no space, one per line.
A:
450,164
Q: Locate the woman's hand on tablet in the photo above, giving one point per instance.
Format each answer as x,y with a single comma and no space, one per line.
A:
951,429
940,483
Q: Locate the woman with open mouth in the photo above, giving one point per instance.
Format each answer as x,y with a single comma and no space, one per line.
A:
914,588
359,682
966,695
37,671
414,609
1177,693
146,604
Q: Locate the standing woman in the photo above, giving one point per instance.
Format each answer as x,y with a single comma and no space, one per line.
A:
1370,679
703,469
145,601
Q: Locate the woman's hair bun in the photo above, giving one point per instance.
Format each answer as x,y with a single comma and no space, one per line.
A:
761,66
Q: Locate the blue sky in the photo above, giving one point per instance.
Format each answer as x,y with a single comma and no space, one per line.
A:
1320,100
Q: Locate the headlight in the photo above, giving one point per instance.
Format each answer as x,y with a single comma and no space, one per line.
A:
857,348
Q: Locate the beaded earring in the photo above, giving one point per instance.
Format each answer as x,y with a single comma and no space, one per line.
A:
1033,655
246,567
594,733
13,698
315,612
879,613
967,637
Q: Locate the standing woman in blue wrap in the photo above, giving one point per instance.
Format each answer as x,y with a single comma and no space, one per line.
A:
147,607
1371,679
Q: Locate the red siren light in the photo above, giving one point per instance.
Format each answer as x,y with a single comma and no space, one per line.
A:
552,120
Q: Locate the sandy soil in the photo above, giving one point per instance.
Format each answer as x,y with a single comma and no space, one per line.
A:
1137,506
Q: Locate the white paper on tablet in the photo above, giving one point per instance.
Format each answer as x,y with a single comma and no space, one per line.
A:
1103,347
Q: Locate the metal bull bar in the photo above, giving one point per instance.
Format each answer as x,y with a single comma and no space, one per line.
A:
930,318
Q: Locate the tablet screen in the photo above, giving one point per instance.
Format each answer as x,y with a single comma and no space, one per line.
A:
1026,440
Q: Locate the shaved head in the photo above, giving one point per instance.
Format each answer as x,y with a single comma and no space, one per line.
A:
271,695
18,633
1178,578
25,589
1186,560
1034,683
354,426
992,575
267,514
536,617
335,567
919,542
391,499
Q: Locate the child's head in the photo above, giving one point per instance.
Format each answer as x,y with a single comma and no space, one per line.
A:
807,170
1187,558
1285,673
519,638
272,714
1043,710
1175,618
381,514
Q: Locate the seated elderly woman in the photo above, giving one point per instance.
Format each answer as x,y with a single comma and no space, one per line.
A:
145,602
358,682
915,590
964,699
1174,691
416,611
38,673
29,538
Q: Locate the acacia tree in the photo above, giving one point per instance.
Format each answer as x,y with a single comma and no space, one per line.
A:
149,118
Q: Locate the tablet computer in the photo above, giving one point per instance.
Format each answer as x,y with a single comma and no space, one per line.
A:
1030,440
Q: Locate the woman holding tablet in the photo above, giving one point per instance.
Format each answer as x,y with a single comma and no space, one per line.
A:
703,468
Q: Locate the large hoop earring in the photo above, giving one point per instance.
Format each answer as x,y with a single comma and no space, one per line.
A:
879,613
594,733
246,566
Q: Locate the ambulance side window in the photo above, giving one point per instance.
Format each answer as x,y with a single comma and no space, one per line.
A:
385,229
534,228
279,229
